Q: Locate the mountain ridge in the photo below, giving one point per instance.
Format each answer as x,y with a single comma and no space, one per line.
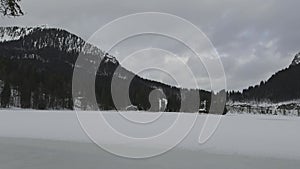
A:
283,85
296,60
38,64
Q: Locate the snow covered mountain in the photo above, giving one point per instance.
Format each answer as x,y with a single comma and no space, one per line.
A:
14,33
296,60
37,67
41,37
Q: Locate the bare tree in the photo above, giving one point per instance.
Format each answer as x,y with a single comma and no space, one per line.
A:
10,8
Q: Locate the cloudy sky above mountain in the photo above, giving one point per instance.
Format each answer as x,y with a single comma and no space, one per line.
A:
254,38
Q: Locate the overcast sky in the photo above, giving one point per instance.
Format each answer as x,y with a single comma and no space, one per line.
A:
254,38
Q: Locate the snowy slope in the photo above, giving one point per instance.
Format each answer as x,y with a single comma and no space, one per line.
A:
15,33
57,38
296,60
45,139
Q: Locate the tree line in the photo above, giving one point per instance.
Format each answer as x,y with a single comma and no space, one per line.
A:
282,86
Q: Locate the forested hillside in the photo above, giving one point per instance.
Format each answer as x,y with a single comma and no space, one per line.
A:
282,86
36,68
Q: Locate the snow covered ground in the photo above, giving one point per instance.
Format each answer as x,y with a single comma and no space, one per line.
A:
32,139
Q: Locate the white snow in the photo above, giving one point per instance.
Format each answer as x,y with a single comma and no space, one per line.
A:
262,104
255,107
296,60
14,33
32,139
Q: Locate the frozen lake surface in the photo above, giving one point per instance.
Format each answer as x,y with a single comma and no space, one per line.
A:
54,140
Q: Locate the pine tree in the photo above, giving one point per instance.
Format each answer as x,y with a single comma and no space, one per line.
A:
10,8
5,95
